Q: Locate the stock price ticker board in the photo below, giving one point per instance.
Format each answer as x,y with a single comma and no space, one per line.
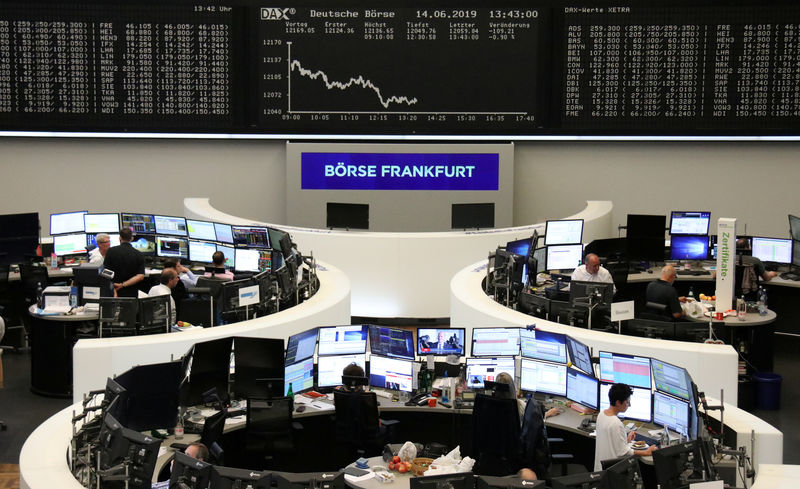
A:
396,68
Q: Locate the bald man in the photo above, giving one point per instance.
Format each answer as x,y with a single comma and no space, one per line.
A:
662,292
592,271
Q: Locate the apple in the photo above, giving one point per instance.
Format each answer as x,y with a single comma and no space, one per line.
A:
396,459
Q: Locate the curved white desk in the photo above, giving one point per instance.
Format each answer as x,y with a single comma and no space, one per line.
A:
96,359
406,274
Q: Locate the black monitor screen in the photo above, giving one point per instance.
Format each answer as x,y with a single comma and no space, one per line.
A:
675,464
462,480
139,223
258,362
301,346
579,355
190,472
543,345
152,395
794,227
646,226
600,293
347,216
469,216
232,478
688,247
391,342
440,341
647,249
689,222
19,225
210,368
587,480
495,482
250,236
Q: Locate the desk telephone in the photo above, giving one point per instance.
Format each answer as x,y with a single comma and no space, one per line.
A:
419,400
588,425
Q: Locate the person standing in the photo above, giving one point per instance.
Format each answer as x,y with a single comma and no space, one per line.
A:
127,264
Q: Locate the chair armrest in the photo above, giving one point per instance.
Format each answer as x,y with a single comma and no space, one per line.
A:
297,426
555,440
389,422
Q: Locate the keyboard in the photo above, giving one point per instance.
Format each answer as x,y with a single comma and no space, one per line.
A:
790,276
647,439
693,272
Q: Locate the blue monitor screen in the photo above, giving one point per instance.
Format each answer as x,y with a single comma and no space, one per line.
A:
301,346
495,341
685,247
299,375
543,345
582,389
671,413
519,247
689,222
144,244
391,342
625,369
390,373
338,340
441,341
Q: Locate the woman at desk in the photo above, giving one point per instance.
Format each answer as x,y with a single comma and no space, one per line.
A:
505,378
612,440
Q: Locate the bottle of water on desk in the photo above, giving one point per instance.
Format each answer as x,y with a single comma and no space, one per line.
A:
691,293
39,295
762,301
741,309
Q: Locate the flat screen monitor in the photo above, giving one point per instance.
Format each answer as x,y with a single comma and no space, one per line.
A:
520,247
579,355
329,369
563,232
582,389
641,403
69,244
301,346
688,247
232,478
258,363
461,480
67,222
248,260
601,293
794,227
250,236
646,249
169,247
152,395
440,341
796,253
391,342
479,370
101,223
201,230
671,412
300,375
499,482
144,244
676,463
495,341
541,259
91,239
209,367
190,472
223,232
774,250
547,378
671,379
138,223
347,216
689,222
171,225
230,255
625,369
340,340
390,373
646,226
472,216
201,251
587,480
564,257
543,345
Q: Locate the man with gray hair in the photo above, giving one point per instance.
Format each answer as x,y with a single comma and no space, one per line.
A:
592,271
662,292
168,280
98,255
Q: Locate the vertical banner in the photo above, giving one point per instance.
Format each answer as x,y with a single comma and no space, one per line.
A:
726,262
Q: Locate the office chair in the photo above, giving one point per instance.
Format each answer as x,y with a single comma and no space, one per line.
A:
270,430
495,436
31,276
3,426
650,328
535,452
619,274
9,309
359,431
212,287
118,316
656,312
155,315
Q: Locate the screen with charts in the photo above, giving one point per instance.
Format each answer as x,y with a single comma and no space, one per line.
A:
201,230
338,340
671,413
671,379
579,355
582,388
329,369
67,222
391,342
138,223
250,236
230,255
390,373
167,247
543,345
300,376
247,260
774,250
563,232
174,226
301,346
689,222
200,251
223,232
441,341
101,223
69,244
564,257
495,341
641,403
479,370
626,369
688,247
547,378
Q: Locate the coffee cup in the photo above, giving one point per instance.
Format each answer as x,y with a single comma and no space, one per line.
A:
432,402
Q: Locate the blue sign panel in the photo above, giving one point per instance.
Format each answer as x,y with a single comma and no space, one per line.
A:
400,171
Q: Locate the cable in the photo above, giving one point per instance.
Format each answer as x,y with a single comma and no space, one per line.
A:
714,335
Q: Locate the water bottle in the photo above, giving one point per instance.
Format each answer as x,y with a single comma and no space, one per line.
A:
73,297
39,296
762,301
53,260
179,426
691,293
741,309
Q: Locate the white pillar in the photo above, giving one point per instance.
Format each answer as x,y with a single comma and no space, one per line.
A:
726,263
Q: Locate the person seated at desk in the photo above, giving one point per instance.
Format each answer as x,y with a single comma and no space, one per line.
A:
195,450
592,271
611,440
127,263
188,278
169,279
218,261
662,292
98,254
505,378
352,370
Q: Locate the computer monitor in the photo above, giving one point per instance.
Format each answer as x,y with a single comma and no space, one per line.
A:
520,246
301,346
250,236
543,345
579,355
209,367
258,362
144,244
201,230
223,232
795,253
112,443
329,369
440,341
66,223
169,247
496,482
671,379
391,342
460,480
138,223
677,464
189,472
563,312
390,373
646,226
625,369
641,403
341,340
688,247
479,370
201,251
232,478
613,248
91,239
171,225
540,254
601,293
495,341
775,250
300,375
252,260
543,377
308,480
101,223
151,395
583,389
689,222
671,412
533,304
230,255
624,474
586,480
69,244
564,257
645,249
563,232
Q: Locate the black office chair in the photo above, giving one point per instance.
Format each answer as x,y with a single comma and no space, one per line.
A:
155,315
31,277
535,451
270,430
210,287
656,312
619,274
359,430
9,309
650,328
495,436
118,316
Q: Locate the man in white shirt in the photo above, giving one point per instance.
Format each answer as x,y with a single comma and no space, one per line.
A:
592,271
612,441
98,255
169,279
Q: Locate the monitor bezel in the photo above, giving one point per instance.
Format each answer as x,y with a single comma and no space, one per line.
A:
547,242
672,217
463,342
791,250
103,231
135,233
178,234
83,230
501,354
189,234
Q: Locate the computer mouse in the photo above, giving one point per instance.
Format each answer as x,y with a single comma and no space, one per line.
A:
300,408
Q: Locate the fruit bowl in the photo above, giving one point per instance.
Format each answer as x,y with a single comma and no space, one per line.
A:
420,464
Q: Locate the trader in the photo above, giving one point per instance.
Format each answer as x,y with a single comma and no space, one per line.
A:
218,261
612,441
97,255
592,271
127,264
188,278
168,280
662,292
